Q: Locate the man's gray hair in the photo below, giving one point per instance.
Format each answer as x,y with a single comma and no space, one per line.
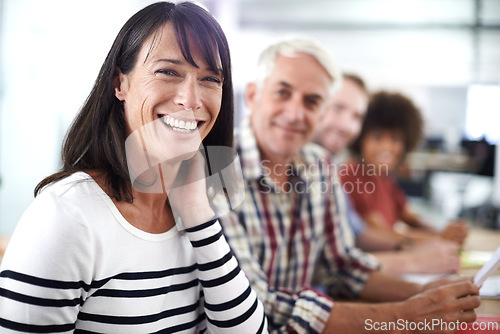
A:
290,47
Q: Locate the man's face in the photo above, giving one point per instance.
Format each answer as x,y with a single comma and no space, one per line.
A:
341,122
286,107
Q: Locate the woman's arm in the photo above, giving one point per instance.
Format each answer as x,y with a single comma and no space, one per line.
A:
231,305
375,219
455,231
413,220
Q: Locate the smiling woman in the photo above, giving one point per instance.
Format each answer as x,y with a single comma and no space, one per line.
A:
94,253
168,100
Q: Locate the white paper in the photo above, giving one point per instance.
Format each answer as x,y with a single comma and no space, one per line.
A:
489,268
491,288
423,278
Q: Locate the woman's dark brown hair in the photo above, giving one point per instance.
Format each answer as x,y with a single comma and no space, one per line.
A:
96,139
394,112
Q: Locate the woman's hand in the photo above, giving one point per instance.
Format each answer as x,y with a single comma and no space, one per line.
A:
456,231
185,184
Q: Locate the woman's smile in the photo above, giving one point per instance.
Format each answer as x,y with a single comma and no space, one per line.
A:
182,124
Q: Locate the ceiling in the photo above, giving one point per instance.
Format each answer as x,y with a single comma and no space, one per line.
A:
421,42
373,14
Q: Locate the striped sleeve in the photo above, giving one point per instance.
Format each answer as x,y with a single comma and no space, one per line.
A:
231,305
305,311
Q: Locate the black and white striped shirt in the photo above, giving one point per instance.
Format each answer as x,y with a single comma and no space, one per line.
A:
74,264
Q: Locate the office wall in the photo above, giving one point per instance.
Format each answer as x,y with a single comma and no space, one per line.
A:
51,51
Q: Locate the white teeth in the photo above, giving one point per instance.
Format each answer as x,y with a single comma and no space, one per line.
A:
180,125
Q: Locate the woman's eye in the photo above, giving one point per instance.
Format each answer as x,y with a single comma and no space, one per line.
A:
213,79
166,72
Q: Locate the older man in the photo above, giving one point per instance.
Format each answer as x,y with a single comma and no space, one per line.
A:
290,222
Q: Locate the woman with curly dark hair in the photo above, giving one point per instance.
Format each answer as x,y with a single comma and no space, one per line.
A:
392,128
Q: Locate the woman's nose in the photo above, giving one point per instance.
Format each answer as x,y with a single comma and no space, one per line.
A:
188,94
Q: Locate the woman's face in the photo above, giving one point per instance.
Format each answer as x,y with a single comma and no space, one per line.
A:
383,147
172,103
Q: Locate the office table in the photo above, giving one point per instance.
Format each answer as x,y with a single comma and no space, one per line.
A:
483,240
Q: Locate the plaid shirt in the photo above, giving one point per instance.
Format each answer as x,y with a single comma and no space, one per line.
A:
284,238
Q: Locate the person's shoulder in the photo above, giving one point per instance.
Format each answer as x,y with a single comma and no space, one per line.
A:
352,162
68,198
75,187
61,224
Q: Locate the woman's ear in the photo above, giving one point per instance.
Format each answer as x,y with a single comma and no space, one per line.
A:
121,85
